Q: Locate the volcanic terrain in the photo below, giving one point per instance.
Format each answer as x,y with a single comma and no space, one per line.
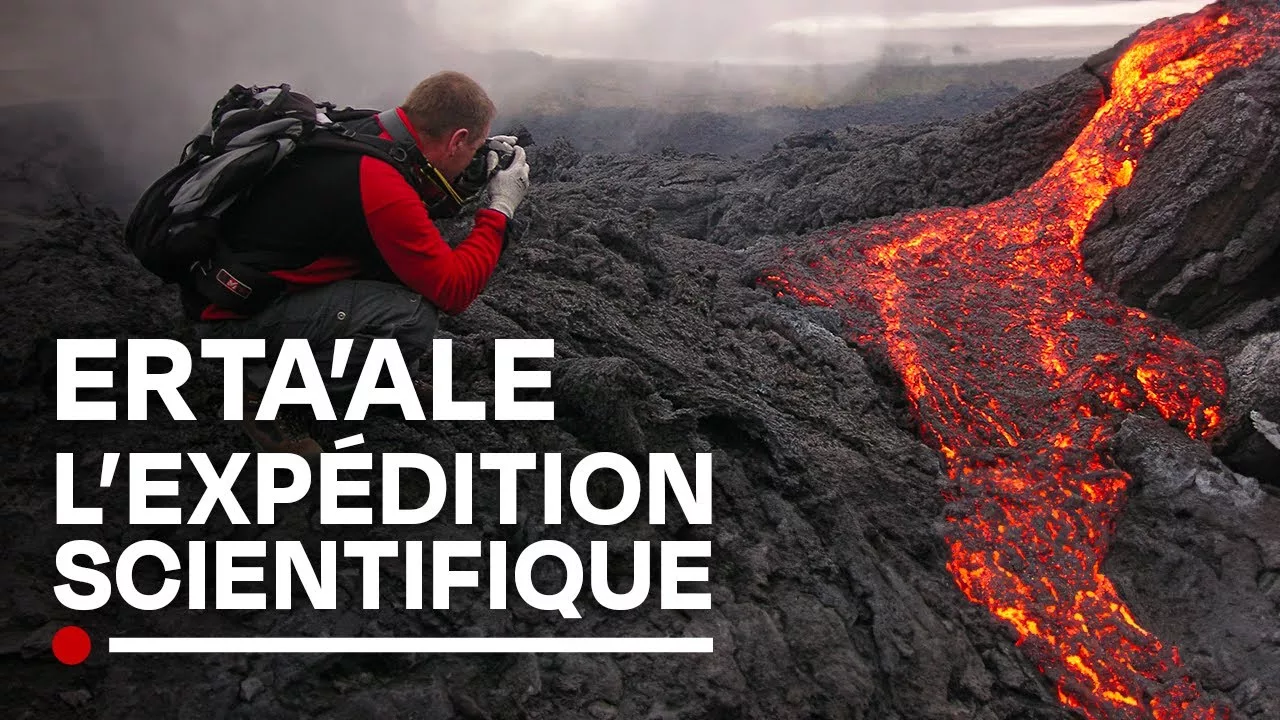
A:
1039,330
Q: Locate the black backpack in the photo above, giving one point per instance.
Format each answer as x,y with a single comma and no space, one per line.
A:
173,229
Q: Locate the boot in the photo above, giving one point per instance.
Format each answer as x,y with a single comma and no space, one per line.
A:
422,387
285,434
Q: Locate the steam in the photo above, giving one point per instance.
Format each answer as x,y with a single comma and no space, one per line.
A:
1121,14
144,73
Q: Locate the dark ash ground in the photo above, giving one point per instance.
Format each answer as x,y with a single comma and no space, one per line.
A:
830,596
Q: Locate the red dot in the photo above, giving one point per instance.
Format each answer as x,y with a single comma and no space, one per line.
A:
71,645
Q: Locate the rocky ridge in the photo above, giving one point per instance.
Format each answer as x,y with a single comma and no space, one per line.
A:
830,595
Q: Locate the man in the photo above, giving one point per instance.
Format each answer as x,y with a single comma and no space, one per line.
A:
356,247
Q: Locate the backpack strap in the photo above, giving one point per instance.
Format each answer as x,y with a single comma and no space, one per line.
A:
391,122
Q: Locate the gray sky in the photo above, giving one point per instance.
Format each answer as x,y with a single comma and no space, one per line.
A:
62,32
172,58
792,31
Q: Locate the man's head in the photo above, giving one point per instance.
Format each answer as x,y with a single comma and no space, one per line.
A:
451,113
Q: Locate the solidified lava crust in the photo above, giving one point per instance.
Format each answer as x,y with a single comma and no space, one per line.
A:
1020,370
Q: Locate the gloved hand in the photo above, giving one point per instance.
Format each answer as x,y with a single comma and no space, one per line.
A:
508,187
500,146
504,144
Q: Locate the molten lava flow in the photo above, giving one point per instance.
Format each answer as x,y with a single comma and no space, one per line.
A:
1019,370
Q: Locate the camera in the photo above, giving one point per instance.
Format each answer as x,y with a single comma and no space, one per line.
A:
505,155
477,175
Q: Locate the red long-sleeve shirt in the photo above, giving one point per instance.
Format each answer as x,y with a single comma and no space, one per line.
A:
450,278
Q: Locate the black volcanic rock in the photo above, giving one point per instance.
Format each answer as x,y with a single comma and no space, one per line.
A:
830,593
752,134
863,172
1197,555
1212,246
1255,402
1196,237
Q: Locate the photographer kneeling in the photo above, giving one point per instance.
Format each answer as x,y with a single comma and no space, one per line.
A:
352,244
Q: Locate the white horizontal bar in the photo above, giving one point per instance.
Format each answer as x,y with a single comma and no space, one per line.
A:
346,442
407,645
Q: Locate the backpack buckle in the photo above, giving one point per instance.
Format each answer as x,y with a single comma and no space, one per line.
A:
398,154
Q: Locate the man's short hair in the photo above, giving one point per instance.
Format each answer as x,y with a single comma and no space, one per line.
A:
446,102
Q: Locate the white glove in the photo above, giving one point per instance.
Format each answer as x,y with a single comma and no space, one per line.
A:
508,145
508,187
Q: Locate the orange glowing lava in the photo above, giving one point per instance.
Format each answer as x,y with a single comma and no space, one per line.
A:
1020,368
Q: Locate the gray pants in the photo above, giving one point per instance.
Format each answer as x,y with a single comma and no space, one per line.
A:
363,310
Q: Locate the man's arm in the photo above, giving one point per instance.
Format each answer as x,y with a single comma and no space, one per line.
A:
449,278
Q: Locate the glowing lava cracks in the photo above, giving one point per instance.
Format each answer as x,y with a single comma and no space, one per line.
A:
1020,369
